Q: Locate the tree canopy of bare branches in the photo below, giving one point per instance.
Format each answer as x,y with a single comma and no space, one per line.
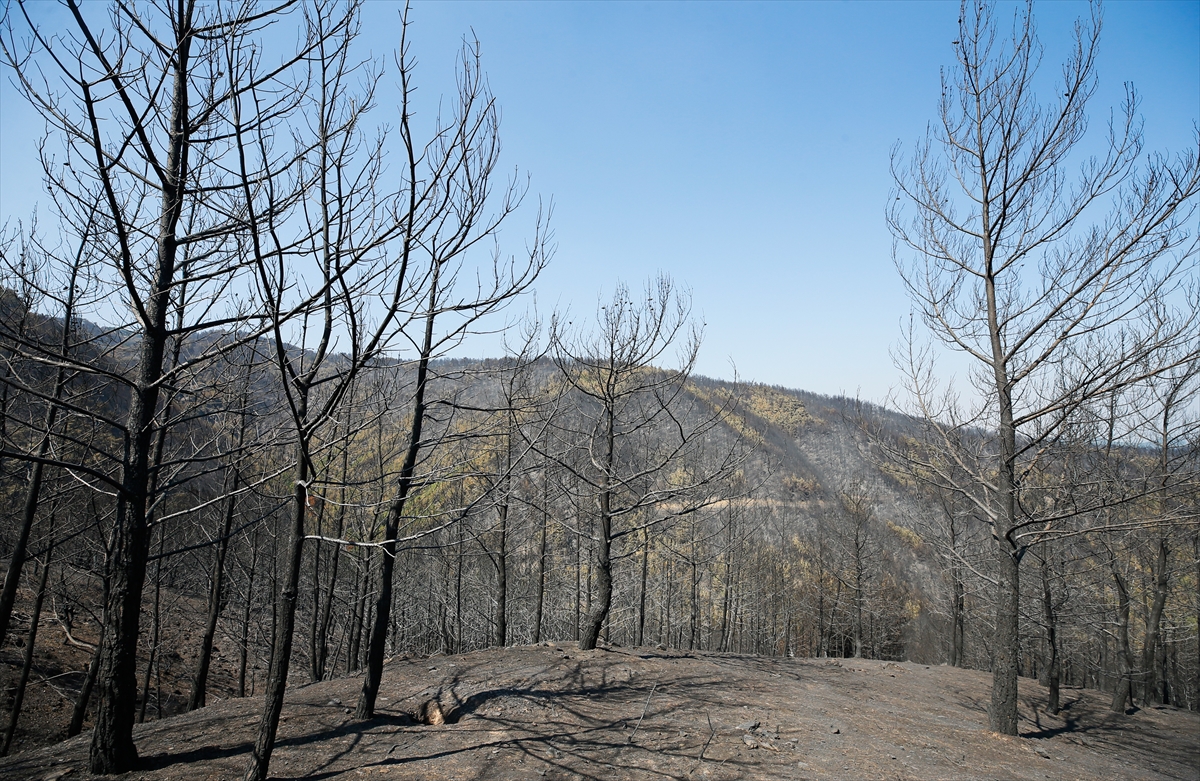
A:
1064,277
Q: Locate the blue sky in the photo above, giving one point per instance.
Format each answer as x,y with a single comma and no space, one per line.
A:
740,147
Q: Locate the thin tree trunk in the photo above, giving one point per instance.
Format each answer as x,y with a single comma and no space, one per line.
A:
327,606
321,626
957,620
154,636
501,636
727,591
694,600
641,621
285,619
578,593
200,682
33,488
1196,596
1153,625
244,645
1123,691
33,491
859,596
383,604
603,590
31,641
541,571
361,582
79,711
314,671
1052,671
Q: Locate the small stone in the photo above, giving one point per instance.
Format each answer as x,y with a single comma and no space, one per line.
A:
748,726
334,703
833,729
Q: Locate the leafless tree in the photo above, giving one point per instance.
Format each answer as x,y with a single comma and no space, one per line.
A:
145,108
1055,289
452,206
634,445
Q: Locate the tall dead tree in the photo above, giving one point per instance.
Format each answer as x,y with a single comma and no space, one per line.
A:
1051,284
142,101
635,445
454,207
369,283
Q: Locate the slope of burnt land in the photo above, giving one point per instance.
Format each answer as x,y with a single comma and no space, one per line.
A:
618,714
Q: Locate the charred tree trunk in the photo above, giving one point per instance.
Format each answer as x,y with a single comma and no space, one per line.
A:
244,644
1052,669
33,488
383,604
645,575
327,607
30,642
500,638
154,633
603,590
323,609
1122,693
285,618
112,748
541,570
200,682
1153,627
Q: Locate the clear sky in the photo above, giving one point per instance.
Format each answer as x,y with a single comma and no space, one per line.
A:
740,147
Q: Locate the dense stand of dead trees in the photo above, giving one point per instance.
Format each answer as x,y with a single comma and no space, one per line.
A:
233,454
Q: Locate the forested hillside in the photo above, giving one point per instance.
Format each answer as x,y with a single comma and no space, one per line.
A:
803,539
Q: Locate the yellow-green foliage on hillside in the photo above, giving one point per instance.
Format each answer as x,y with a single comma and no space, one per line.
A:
778,408
910,537
801,487
768,404
724,400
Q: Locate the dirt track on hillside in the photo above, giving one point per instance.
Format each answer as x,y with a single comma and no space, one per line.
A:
552,712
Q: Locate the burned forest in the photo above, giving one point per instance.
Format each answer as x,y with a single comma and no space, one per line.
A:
249,465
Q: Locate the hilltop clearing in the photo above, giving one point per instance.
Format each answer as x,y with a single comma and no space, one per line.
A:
622,714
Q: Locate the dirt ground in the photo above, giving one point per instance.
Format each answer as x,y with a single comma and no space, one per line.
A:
553,712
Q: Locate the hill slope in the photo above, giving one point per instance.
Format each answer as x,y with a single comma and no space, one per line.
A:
624,714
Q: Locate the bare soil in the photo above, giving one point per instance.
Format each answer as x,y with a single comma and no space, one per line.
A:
552,712
62,656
